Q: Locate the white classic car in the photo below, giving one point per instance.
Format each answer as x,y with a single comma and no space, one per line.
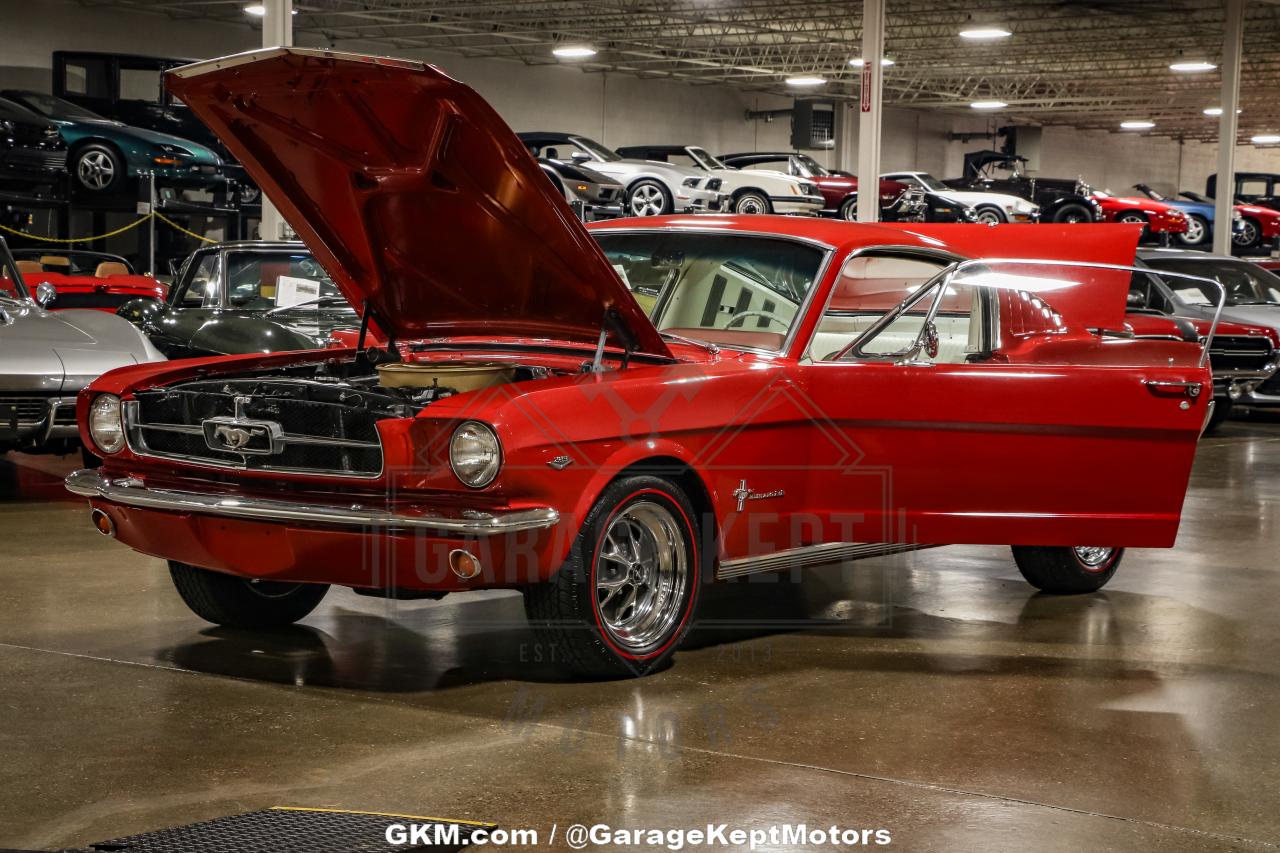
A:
992,208
749,190
650,188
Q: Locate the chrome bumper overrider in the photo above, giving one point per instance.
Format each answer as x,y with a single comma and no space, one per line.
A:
135,493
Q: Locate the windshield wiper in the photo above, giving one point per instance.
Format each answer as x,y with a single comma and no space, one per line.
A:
318,300
706,345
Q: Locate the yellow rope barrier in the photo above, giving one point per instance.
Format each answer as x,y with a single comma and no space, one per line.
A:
172,224
133,224
166,220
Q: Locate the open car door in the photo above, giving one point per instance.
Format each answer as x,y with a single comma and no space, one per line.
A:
1002,402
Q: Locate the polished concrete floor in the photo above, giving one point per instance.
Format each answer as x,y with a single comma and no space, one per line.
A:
940,699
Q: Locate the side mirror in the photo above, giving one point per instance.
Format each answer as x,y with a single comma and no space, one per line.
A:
46,293
580,157
930,339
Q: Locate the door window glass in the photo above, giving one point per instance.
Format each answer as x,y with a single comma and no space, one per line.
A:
87,77
201,289
140,84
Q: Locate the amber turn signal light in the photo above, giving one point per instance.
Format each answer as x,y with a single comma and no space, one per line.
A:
464,564
103,522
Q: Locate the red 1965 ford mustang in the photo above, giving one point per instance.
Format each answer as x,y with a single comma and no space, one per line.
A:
608,419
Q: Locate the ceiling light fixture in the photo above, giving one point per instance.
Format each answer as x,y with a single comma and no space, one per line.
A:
806,81
858,63
1137,124
1266,139
1217,111
988,105
984,33
574,51
1192,66
259,10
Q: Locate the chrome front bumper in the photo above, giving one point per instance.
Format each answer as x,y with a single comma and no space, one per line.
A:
135,493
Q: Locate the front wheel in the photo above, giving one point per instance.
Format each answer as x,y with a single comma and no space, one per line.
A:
751,202
649,198
988,215
1197,231
240,603
99,169
1065,570
1073,214
1134,219
625,597
849,210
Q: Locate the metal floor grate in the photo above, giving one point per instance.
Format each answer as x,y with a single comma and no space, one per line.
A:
285,830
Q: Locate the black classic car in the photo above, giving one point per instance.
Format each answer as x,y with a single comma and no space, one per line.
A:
1062,200
599,195
246,297
1260,188
32,152
127,88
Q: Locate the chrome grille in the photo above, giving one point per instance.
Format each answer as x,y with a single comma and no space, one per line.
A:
1239,352
27,411
316,435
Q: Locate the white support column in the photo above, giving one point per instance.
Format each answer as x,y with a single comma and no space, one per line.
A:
277,31
870,108
1224,201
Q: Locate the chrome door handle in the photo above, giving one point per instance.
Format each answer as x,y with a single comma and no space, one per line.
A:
1174,389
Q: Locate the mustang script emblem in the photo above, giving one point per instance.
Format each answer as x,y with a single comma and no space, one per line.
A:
744,494
238,435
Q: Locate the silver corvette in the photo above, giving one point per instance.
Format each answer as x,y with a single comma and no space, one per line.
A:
650,188
46,357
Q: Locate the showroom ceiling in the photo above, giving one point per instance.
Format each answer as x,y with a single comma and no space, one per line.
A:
1087,63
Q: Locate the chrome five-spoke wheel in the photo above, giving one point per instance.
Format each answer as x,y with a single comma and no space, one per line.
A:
640,575
626,595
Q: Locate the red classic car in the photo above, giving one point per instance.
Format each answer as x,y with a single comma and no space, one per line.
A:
800,392
82,279
1260,227
1155,217
898,202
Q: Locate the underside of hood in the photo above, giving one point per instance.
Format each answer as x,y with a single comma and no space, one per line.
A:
415,196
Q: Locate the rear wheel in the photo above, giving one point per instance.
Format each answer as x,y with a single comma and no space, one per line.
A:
625,597
1248,237
1197,230
1065,570
849,209
240,603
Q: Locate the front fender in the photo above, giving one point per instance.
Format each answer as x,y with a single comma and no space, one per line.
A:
233,334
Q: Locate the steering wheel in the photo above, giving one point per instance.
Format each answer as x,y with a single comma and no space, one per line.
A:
745,314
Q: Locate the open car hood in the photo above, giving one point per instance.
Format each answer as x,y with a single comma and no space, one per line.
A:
415,196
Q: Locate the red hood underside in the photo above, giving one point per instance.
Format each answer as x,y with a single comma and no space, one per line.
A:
415,196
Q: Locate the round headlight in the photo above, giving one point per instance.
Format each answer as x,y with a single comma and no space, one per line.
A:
105,425
475,454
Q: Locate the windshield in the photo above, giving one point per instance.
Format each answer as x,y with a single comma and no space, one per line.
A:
259,281
736,290
1245,283
815,168
1102,194
52,107
595,149
703,158
11,284
1153,195
932,183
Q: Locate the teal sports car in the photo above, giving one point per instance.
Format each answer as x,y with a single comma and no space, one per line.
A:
104,156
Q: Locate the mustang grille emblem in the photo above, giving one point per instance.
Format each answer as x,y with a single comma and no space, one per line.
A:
240,435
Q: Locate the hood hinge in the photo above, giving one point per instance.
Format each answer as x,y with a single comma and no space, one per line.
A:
613,323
